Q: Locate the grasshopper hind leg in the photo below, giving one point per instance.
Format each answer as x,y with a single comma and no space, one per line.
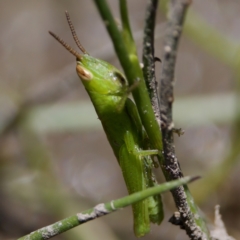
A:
154,203
133,173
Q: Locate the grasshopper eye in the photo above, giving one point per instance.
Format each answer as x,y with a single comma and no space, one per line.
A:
119,77
83,73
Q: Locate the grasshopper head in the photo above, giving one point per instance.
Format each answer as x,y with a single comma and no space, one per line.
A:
97,76
100,77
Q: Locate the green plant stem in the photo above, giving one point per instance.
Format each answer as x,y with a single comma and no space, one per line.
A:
126,29
101,210
133,72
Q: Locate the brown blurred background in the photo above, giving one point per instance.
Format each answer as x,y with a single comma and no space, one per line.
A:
54,157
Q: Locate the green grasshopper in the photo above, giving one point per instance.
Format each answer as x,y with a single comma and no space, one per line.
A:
108,90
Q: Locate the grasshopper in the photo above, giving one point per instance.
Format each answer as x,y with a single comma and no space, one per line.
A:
108,90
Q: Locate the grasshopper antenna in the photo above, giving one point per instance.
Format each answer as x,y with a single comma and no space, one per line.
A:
75,37
70,49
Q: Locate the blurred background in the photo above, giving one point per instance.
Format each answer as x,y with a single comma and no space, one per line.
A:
55,160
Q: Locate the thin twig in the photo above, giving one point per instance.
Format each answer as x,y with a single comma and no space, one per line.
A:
101,210
190,219
148,56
